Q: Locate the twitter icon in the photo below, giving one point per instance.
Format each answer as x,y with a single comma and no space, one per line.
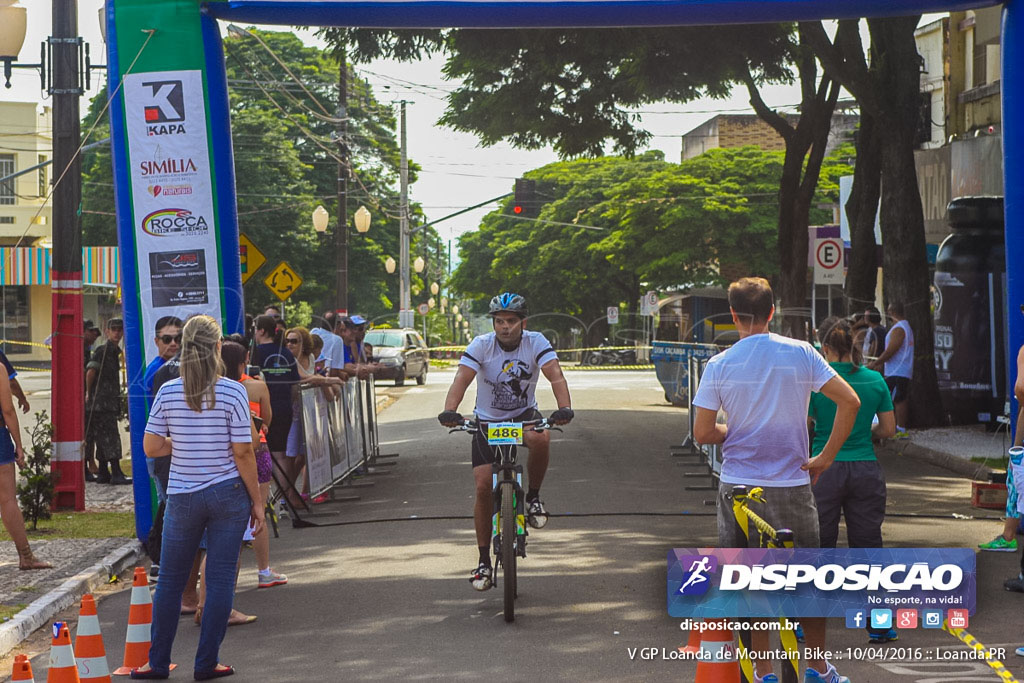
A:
881,618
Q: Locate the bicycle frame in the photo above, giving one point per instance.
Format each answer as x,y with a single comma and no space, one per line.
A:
768,537
505,468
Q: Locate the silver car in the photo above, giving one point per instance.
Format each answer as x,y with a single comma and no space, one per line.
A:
401,352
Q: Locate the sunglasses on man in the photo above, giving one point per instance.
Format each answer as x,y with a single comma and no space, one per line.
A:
167,339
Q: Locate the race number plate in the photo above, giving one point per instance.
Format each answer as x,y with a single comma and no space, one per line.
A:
500,433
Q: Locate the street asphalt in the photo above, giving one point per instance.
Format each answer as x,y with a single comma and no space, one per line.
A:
385,596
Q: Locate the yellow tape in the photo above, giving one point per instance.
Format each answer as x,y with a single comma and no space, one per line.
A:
24,369
986,654
24,343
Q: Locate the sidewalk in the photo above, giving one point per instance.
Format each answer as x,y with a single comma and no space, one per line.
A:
79,564
953,448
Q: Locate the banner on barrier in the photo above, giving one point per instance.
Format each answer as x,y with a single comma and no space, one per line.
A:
317,426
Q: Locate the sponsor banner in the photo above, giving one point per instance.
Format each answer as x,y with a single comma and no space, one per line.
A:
817,582
172,197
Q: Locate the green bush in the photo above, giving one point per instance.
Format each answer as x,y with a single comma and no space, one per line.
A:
36,490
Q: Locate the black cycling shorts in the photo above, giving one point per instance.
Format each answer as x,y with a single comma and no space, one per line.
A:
899,388
483,454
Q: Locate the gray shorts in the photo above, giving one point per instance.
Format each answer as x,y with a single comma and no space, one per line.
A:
786,507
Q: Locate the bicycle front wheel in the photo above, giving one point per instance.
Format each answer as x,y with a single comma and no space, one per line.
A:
508,547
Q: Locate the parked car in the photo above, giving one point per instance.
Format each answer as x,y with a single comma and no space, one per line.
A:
401,352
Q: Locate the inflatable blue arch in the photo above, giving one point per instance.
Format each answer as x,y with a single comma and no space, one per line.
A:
173,166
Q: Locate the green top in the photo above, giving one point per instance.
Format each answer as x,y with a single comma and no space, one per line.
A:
874,398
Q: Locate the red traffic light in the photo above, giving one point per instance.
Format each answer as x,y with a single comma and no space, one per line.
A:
517,209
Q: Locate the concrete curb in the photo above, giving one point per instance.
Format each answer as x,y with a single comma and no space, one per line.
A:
42,610
961,466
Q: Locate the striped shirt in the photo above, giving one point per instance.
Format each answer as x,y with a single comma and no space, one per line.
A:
201,453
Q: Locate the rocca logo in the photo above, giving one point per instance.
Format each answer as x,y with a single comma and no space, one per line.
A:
174,222
167,167
164,112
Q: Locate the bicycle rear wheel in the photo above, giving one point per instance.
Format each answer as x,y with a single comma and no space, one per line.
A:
508,546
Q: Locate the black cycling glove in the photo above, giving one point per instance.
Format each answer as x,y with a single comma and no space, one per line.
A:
450,418
562,416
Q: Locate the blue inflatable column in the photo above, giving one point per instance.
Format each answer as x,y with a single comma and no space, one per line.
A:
1012,89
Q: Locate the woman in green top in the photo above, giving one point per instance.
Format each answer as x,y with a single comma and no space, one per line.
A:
854,486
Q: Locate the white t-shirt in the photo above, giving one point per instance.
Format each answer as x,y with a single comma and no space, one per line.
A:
764,384
201,453
902,363
333,352
506,380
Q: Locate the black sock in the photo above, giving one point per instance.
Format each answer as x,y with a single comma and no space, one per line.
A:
115,469
101,470
532,494
485,555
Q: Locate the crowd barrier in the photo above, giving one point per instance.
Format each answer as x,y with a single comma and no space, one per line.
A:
342,439
679,367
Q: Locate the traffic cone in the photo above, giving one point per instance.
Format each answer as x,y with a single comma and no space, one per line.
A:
140,619
22,670
89,651
62,658
692,646
718,662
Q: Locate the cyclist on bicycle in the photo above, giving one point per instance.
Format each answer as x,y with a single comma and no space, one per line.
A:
507,361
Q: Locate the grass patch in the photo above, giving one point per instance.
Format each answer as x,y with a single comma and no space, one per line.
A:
82,525
8,611
994,463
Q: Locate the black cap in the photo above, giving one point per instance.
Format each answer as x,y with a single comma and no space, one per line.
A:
89,325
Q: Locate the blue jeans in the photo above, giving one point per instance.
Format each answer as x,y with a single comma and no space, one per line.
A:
222,512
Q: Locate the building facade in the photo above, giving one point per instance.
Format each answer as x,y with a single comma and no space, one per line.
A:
739,130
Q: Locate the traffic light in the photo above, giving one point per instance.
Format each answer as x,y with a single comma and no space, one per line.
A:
525,202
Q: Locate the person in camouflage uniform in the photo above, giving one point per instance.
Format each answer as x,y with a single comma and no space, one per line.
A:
103,404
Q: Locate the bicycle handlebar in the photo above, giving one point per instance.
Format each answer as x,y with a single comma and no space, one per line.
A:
534,426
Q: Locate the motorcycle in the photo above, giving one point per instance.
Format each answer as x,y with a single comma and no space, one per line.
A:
604,354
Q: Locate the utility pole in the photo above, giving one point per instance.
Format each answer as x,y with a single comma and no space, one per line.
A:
68,378
341,232
403,224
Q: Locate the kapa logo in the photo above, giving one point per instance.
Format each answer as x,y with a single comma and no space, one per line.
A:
165,110
173,222
699,569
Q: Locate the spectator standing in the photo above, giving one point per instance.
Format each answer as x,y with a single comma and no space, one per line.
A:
874,334
11,453
854,487
168,342
201,420
897,364
280,371
90,333
1006,542
764,383
333,353
103,404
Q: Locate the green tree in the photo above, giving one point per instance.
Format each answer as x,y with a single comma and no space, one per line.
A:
35,490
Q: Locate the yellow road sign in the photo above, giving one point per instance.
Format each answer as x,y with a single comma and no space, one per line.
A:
283,281
251,257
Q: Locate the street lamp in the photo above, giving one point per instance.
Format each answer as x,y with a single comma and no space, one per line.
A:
455,309
431,302
362,219
389,265
434,288
458,316
60,50
320,219
418,264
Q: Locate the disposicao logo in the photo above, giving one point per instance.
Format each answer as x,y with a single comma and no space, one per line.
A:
173,222
697,579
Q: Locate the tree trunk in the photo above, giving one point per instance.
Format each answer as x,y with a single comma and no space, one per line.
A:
905,262
861,209
793,242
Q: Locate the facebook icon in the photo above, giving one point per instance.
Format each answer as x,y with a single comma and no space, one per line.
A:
855,618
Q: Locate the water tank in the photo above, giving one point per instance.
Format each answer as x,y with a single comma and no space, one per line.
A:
970,278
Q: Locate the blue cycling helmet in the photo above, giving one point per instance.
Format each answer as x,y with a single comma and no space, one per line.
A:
507,302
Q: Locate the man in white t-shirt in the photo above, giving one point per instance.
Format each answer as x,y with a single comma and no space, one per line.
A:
764,384
507,362
897,364
333,353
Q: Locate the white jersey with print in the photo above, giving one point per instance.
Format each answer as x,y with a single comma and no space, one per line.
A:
902,362
506,380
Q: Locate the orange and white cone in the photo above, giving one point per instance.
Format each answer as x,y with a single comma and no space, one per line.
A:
62,658
89,651
718,661
140,620
692,646
22,669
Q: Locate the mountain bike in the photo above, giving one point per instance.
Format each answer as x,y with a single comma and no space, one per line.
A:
508,522
768,537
